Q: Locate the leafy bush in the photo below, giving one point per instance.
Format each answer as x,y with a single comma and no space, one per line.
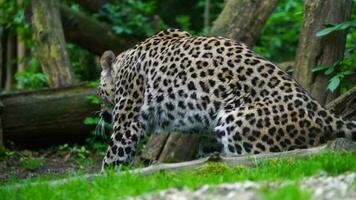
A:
279,39
130,17
341,68
12,18
82,62
31,80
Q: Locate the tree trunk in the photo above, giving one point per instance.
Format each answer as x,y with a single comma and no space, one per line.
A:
21,49
243,20
49,38
156,23
10,58
207,15
47,116
21,54
179,147
1,130
320,51
91,34
2,60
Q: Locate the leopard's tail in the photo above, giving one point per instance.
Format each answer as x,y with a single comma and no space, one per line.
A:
337,127
345,129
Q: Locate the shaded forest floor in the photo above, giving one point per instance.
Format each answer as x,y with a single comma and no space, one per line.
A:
53,161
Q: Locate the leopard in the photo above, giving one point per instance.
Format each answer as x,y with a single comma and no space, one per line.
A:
174,81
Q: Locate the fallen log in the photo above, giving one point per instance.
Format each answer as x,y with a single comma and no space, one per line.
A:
91,34
47,116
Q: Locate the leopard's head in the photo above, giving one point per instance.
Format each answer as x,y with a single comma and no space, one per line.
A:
106,88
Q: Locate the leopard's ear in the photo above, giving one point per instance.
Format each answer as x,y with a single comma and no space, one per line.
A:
106,60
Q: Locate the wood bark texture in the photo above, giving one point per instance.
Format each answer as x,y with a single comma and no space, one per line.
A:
179,147
320,51
10,57
2,60
1,130
49,38
243,20
47,116
21,48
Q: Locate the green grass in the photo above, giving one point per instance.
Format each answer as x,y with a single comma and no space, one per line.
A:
112,186
288,192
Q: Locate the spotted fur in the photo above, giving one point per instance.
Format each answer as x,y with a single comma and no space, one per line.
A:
174,81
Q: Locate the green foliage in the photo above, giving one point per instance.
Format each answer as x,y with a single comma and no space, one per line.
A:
80,154
93,99
95,141
338,71
91,121
82,61
30,163
81,151
279,39
336,27
184,23
31,80
94,84
113,186
4,153
12,18
96,145
131,17
288,192
343,68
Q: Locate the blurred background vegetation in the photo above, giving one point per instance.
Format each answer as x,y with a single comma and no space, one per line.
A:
278,41
92,26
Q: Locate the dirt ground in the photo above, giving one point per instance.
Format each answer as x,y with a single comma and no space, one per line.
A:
21,164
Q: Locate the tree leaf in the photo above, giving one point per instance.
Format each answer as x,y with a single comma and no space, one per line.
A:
334,83
91,120
330,70
325,31
319,68
336,27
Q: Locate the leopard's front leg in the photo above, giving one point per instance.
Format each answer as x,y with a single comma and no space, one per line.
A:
127,131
